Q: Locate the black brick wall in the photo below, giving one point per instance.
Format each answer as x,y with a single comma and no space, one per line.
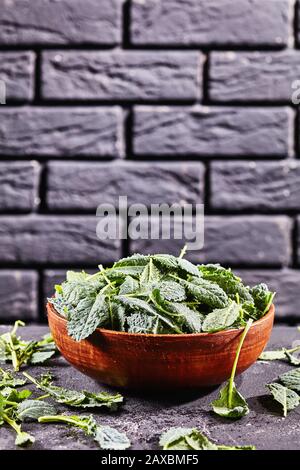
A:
162,101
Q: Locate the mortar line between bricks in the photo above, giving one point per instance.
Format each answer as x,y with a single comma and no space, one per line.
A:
40,300
295,242
205,80
151,158
207,189
296,148
295,8
37,78
126,22
128,132
206,48
42,190
188,103
211,213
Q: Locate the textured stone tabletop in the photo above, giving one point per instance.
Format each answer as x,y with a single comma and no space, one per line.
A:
143,417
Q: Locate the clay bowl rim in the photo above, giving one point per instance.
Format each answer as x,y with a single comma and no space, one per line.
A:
105,331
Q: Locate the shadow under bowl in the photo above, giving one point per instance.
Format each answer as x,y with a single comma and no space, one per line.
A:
145,361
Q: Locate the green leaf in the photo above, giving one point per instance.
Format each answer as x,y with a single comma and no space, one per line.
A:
188,267
106,436
174,436
185,318
89,314
150,275
19,352
40,357
110,438
231,404
134,260
192,439
171,291
191,319
129,286
86,423
165,261
24,439
227,280
142,323
283,395
263,298
272,355
123,271
8,379
118,317
76,276
73,291
281,354
32,409
291,379
295,361
220,319
138,306
198,441
76,399
206,292
249,447
13,395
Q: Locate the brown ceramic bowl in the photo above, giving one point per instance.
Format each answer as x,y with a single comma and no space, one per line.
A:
142,361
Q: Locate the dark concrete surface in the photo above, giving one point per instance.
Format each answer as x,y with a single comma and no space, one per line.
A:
143,417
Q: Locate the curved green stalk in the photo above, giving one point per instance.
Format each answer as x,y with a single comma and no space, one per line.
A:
236,360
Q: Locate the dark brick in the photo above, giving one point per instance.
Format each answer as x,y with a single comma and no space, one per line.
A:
255,185
17,72
54,240
253,76
18,295
86,185
123,75
284,282
63,132
235,241
19,186
60,22
213,22
210,131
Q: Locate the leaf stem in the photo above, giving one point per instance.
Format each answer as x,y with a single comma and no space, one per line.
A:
183,252
14,357
231,380
16,326
29,377
42,397
59,419
290,351
12,423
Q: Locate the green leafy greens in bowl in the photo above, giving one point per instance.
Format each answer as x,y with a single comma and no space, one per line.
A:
158,294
